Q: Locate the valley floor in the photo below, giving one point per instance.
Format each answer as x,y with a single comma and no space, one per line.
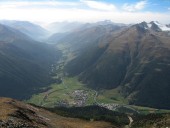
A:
71,92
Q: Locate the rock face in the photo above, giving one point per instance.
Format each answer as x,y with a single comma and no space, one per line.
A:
16,114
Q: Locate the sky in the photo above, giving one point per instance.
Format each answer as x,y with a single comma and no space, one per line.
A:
118,11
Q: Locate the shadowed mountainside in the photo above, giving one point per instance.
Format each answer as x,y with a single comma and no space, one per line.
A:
25,64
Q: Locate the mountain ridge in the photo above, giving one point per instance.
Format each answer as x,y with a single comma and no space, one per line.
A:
32,30
130,57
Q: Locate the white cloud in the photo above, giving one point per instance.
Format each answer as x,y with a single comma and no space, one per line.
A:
169,8
16,11
99,5
82,15
135,7
26,4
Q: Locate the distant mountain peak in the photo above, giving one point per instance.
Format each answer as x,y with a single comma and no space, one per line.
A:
154,26
154,22
105,22
32,30
143,24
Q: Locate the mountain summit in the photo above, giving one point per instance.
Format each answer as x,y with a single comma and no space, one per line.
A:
155,26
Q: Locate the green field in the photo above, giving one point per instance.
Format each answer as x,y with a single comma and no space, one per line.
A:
61,92
111,96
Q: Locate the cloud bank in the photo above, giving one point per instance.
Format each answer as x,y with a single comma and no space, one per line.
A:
83,11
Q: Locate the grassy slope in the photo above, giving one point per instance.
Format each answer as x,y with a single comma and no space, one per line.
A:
35,117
